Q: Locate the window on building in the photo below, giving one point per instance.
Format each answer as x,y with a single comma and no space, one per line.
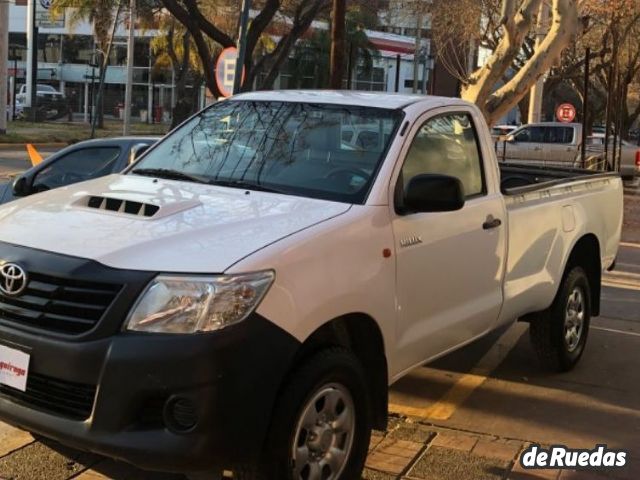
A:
77,49
372,79
49,48
18,44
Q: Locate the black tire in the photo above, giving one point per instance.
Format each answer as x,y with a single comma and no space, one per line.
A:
547,329
330,367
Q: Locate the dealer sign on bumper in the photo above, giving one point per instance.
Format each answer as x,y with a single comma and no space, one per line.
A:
14,368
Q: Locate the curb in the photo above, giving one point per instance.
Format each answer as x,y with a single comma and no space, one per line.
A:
11,146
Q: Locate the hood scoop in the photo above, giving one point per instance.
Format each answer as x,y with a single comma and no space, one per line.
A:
133,208
122,206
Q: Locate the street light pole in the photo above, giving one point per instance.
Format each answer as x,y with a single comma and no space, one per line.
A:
32,60
585,106
126,129
242,45
416,53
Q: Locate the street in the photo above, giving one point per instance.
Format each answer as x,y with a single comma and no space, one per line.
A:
15,159
467,415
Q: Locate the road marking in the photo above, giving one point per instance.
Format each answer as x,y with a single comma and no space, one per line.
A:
446,406
620,273
621,285
630,245
613,330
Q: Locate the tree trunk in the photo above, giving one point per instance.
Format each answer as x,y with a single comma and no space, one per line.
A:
517,22
337,44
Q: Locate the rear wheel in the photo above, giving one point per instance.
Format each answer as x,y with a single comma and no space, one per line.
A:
559,334
322,423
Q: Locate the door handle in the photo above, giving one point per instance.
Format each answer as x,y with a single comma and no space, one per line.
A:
491,223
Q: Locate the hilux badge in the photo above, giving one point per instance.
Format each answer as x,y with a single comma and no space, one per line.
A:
13,279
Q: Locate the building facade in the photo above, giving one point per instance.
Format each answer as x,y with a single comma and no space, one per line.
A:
67,60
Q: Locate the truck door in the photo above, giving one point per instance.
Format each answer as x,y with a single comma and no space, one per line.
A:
559,148
526,146
449,265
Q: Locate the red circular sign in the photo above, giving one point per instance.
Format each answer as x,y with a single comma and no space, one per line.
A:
226,70
566,113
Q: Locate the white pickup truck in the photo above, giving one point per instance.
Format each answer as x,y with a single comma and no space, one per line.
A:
242,297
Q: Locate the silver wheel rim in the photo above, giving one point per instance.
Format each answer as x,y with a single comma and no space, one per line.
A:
324,434
574,319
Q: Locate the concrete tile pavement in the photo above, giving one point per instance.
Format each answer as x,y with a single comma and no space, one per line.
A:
409,450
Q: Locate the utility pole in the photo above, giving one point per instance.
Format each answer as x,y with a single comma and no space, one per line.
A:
338,44
416,54
32,60
4,59
242,45
535,101
585,106
126,129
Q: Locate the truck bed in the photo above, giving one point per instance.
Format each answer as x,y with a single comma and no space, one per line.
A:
549,210
518,179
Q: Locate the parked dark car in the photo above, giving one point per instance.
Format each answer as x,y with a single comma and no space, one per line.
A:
77,163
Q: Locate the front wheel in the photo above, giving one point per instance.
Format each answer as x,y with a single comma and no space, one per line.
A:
322,423
559,334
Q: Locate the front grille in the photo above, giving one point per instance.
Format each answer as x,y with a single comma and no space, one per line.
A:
71,400
59,305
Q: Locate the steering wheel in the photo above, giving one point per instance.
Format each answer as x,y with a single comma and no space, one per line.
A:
353,171
59,180
71,177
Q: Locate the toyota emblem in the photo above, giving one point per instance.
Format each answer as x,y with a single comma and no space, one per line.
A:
13,279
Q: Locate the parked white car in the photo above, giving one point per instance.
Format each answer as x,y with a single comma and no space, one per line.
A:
242,296
42,90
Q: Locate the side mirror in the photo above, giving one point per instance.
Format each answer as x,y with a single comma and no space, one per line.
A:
434,193
21,187
510,139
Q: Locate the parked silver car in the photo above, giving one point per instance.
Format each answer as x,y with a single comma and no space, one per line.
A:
630,158
551,143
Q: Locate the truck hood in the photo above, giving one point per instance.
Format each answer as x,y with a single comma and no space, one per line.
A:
140,223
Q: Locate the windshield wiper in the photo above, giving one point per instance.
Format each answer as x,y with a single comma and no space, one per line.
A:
170,174
246,186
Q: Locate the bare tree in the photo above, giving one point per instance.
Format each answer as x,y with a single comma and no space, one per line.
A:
215,22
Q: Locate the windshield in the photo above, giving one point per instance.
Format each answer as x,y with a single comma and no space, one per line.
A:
331,152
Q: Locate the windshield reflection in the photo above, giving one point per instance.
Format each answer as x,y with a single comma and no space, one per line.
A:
322,151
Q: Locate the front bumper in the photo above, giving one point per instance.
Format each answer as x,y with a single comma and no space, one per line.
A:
230,380
179,403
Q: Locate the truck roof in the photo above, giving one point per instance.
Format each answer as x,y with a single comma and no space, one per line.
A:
391,101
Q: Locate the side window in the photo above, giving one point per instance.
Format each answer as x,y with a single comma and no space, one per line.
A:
530,135
568,135
447,145
77,166
558,135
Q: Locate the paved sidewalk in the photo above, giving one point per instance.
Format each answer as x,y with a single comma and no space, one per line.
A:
410,450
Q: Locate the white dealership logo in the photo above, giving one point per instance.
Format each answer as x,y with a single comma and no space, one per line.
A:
13,279
561,457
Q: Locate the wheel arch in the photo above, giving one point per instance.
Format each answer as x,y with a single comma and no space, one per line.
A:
586,254
361,334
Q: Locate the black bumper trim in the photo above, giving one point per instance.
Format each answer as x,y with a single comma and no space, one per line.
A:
232,378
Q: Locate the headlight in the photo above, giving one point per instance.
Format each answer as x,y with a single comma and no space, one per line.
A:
181,304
